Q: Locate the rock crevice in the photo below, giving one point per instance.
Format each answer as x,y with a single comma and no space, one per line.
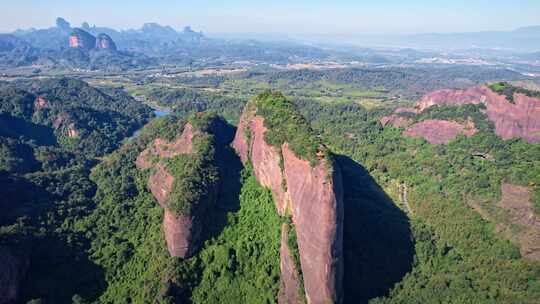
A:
312,195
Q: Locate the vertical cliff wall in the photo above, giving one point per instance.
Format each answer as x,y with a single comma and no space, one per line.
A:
184,180
306,185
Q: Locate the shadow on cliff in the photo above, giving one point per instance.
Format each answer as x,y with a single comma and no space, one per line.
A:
378,247
230,167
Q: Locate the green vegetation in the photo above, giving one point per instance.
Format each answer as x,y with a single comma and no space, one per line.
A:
292,243
461,114
241,264
508,90
286,124
44,179
195,176
459,257
186,100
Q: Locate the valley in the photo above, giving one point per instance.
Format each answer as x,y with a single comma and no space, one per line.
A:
160,166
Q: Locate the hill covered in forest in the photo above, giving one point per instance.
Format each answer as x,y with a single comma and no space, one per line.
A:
304,200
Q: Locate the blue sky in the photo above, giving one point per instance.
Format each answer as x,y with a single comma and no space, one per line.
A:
281,16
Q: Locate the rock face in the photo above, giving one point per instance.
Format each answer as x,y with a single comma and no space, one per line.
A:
316,193
289,289
80,39
520,119
395,120
437,131
313,196
105,42
12,271
41,103
267,158
182,232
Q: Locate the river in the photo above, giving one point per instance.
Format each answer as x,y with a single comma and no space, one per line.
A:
160,112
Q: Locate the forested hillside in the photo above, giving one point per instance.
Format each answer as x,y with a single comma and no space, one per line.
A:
50,134
423,223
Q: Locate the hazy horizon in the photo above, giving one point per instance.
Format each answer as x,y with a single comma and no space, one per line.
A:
342,17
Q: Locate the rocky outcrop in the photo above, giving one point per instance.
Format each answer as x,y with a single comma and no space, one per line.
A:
65,126
316,193
41,103
517,119
182,230
105,42
436,131
268,158
80,39
395,120
12,271
289,289
306,191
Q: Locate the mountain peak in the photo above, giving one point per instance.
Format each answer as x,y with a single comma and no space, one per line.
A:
63,24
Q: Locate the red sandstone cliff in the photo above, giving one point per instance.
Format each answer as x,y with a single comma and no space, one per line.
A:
80,39
182,233
520,119
313,196
436,131
289,289
105,42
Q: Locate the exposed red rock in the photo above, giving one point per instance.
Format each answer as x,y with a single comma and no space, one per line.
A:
12,272
160,184
309,193
395,120
41,103
289,290
516,200
80,39
241,141
316,193
105,42
520,119
164,149
437,131
181,232
405,110
267,158
65,125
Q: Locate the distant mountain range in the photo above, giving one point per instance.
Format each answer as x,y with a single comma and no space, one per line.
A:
94,47
150,35
525,39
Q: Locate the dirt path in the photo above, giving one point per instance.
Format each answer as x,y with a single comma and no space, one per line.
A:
404,199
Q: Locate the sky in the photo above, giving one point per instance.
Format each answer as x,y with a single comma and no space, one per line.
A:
347,17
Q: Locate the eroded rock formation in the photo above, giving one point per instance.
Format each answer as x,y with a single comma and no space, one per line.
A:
289,288
520,119
517,119
395,120
436,131
105,42
182,228
311,193
80,39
